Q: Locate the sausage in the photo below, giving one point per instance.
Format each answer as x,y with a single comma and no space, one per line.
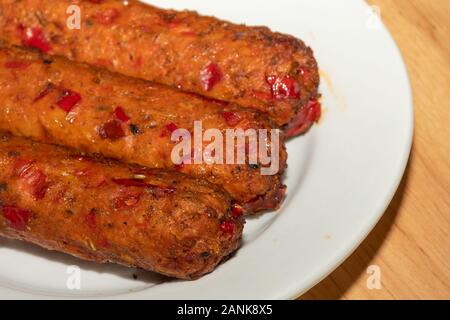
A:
103,211
57,101
251,66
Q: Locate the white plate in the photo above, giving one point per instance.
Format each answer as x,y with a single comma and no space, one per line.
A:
341,175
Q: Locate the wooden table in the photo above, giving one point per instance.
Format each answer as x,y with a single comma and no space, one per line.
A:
411,244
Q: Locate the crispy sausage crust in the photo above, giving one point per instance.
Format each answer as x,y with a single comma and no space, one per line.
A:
57,101
195,53
165,222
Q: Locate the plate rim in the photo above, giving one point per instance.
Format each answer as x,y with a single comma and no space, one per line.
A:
375,218
355,240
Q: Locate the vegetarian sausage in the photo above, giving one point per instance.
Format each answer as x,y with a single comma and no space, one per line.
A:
251,66
61,102
104,211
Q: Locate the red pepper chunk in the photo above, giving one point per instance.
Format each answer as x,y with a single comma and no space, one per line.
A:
34,179
37,181
17,218
315,110
284,87
127,199
304,118
237,211
108,16
111,130
210,76
227,227
120,114
34,38
137,63
21,165
231,118
169,129
68,100
91,219
174,23
189,33
17,64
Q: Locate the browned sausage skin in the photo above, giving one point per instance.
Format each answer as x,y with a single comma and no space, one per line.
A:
57,101
251,66
103,211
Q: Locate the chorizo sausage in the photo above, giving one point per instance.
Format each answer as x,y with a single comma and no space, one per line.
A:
103,211
57,101
251,66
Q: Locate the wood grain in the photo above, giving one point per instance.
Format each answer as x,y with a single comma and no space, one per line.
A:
411,244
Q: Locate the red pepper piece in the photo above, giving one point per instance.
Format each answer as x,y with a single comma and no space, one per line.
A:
174,23
169,129
34,38
137,63
35,180
120,114
108,16
304,118
17,218
21,165
237,210
111,130
127,199
68,100
17,64
210,76
231,118
91,219
189,33
227,227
